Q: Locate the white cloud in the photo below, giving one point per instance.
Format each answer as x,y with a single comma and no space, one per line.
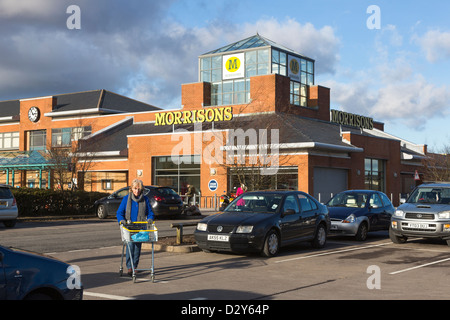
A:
131,47
319,44
436,45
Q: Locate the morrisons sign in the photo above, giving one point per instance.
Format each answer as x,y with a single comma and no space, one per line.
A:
194,116
352,120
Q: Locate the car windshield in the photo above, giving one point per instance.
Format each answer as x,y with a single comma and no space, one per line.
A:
349,200
255,203
439,195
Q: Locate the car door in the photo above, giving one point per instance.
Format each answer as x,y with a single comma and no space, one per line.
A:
308,215
388,211
375,212
290,224
114,200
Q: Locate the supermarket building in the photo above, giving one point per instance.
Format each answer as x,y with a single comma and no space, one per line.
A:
254,116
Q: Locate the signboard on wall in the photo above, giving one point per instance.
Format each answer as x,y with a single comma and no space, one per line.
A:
294,68
233,66
212,185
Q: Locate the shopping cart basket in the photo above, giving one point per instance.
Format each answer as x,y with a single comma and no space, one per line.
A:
138,232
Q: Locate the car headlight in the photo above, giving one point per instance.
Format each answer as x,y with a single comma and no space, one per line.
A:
202,226
444,215
398,213
244,229
350,219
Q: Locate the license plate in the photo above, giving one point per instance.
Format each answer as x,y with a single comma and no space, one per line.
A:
173,208
218,237
419,226
3,203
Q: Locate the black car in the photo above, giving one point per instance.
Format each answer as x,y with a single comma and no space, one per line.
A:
164,201
356,212
29,276
264,221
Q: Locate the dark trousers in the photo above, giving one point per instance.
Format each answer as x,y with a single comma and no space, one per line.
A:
135,249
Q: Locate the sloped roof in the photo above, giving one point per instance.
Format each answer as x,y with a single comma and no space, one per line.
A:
256,41
103,100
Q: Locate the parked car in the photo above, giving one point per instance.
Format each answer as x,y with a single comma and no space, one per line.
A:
164,201
8,207
426,214
263,222
357,212
28,276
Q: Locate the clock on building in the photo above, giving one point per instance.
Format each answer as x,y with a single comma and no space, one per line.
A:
34,114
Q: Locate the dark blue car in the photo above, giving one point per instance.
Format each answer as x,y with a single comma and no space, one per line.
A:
265,221
356,212
29,276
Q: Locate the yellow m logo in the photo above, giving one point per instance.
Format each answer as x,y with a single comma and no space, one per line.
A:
233,64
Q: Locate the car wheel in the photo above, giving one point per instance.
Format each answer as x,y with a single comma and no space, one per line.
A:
101,212
361,234
10,223
271,244
397,239
320,238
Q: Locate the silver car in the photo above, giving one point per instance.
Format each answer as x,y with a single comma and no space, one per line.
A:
8,207
426,214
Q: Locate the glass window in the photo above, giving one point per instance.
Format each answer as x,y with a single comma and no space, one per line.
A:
177,172
306,203
290,203
375,201
374,174
298,94
9,140
37,140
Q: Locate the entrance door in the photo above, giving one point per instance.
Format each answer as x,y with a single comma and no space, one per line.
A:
329,181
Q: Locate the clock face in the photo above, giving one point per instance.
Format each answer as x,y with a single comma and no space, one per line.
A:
33,114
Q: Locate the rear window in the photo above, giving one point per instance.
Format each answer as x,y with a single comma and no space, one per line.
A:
166,191
5,193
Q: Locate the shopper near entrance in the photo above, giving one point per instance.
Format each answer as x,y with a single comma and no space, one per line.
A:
190,193
134,207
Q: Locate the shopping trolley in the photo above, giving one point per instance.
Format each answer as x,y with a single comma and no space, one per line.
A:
138,232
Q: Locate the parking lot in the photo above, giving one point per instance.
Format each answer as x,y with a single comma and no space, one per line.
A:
344,269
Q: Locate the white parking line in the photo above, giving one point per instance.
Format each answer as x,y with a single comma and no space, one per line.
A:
333,252
106,296
421,266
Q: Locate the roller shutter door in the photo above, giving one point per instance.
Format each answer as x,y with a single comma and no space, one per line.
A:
329,181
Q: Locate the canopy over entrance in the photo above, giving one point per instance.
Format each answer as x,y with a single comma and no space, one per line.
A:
39,160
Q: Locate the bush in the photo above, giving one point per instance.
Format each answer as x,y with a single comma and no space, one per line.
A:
44,202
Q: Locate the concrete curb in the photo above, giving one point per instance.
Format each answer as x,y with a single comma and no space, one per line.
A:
183,248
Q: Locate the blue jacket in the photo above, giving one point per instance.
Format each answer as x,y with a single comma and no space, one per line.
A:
134,209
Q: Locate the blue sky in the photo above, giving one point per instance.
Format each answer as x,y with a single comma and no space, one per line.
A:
397,74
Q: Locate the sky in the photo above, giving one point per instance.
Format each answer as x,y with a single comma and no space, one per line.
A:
389,60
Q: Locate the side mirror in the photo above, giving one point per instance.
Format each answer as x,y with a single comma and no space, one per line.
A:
288,212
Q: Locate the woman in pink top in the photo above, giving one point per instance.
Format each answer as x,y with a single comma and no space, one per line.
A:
239,191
